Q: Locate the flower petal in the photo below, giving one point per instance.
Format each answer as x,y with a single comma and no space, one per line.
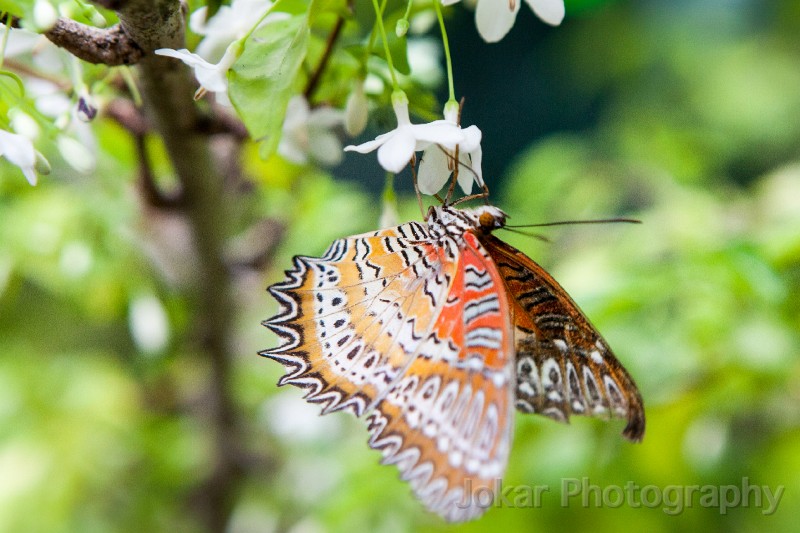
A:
471,170
494,18
396,152
213,80
211,76
197,20
184,55
369,146
550,11
441,132
433,170
18,150
472,139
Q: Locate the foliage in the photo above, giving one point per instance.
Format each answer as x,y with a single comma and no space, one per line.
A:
686,123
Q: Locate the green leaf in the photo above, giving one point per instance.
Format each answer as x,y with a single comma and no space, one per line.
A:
10,6
293,7
260,83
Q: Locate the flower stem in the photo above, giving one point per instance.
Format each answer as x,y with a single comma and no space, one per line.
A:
255,26
382,30
438,5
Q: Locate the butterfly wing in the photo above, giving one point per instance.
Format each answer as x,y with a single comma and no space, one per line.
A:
418,336
448,423
563,365
351,320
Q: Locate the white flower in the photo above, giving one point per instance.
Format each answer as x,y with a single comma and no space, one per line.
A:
494,18
212,77
307,133
396,147
228,24
19,151
437,163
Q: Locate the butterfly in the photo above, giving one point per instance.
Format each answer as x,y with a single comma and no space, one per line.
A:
435,333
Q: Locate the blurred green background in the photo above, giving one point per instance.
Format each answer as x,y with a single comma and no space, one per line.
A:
684,114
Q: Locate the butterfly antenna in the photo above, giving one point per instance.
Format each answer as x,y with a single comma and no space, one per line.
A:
537,236
573,222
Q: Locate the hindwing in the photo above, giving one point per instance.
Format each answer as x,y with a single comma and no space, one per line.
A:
563,365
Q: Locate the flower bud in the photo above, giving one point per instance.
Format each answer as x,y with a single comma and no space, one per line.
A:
41,165
86,110
75,154
356,111
401,28
44,15
451,111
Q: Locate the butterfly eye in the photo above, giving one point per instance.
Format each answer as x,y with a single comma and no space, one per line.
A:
487,222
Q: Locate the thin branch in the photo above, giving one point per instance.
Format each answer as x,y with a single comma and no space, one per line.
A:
128,116
19,67
221,121
323,62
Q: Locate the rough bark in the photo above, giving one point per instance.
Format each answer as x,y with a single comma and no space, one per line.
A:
111,47
167,90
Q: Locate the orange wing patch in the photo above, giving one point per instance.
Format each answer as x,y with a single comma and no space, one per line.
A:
447,424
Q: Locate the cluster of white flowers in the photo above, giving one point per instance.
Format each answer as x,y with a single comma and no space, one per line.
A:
72,136
309,133
438,139
494,18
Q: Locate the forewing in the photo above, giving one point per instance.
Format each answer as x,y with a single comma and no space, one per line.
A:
563,365
447,423
352,320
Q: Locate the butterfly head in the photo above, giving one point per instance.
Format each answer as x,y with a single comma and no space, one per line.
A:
490,218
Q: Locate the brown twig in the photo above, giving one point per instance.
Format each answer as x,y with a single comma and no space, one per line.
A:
110,46
316,76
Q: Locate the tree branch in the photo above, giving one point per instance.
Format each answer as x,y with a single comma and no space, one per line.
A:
167,90
111,46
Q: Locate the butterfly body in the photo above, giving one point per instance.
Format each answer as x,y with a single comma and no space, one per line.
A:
436,332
